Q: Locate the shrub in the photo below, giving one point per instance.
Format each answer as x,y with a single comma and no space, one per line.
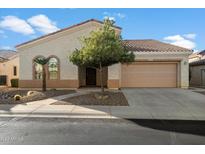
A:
17,97
14,82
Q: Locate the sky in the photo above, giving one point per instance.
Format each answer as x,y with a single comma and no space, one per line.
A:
182,27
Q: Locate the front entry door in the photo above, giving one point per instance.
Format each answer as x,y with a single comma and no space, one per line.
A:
90,76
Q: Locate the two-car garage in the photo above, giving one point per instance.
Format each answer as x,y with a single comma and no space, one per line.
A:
149,74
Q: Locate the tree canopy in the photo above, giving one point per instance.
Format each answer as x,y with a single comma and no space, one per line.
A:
41,60
103,47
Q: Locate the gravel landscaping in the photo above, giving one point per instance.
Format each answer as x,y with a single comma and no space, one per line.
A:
7,95
111,99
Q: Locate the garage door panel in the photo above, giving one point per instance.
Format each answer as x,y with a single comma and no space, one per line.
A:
149,75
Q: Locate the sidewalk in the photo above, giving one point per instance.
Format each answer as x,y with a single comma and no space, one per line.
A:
64,111
43,108
73,111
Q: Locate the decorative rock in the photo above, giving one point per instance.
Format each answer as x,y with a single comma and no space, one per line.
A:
105,96
30,93
17,97
101,97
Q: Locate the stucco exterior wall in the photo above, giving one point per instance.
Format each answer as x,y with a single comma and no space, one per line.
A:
114,75
184,72
60,45
114,72
196,75
6,68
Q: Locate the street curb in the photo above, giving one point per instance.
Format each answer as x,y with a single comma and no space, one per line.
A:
60,116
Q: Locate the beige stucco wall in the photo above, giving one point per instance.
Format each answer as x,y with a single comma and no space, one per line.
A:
60,45
6,68
114,71
184,72
196,75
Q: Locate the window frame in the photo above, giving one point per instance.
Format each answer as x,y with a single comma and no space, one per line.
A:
47,69
14,70
58,68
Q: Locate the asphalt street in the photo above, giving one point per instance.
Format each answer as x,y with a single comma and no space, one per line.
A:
25,130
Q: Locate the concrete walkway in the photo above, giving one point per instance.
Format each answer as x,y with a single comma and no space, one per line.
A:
144,104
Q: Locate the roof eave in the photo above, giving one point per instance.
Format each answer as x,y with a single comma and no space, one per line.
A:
164,52
61,30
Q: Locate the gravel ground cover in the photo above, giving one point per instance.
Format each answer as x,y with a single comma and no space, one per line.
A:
112,99
7,95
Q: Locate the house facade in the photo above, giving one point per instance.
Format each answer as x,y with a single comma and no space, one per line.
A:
157,64
196,56
9,67
197,69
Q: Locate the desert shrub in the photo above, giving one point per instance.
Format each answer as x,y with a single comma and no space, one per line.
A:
14,82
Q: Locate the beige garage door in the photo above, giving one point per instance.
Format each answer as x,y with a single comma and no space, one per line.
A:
146,74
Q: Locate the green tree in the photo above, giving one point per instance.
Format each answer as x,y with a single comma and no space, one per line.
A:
42,61
101,48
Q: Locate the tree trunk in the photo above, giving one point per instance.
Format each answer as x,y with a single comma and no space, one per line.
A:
44,78
101,79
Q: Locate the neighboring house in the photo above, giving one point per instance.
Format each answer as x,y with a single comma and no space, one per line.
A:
197,71
9,66
157,64
195,57
202,53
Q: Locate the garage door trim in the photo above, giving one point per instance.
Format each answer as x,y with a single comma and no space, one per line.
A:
174,79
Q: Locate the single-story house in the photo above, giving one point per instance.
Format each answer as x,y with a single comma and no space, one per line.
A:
195,57
9,66
157,64
197,71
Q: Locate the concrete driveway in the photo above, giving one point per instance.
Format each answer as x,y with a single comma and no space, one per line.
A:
164,103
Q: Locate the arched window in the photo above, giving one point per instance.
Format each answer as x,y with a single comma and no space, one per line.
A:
37,69
53,68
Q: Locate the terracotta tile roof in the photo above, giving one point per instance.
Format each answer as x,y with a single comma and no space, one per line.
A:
199,62
202,52
64,30
194,55
152,46
2,59
6,54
